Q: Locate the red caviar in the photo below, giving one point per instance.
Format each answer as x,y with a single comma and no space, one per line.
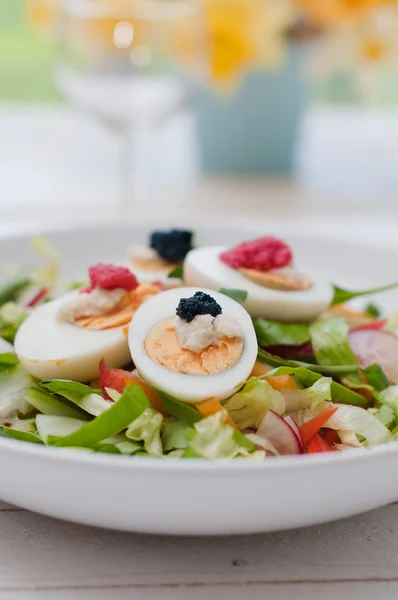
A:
262,254
110,277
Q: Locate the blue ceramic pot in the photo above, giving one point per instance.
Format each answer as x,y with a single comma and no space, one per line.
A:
255,130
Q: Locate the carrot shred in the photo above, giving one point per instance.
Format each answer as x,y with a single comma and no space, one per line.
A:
260,369
282,382
311,428
211,407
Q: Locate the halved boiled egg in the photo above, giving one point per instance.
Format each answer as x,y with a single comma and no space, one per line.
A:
52,349
67,338
165,252
193,344
203,267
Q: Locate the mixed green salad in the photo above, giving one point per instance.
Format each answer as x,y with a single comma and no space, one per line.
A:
160,357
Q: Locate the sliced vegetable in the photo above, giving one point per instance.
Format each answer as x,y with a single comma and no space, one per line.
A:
353,419
81,395
373,325
177,273
8,359
389,396
373,310
310,428
50,405
11,317
376,347
182,412
118,417
212,439
292,423
282,382
237,295
55,427
14,383
339,393
23,436
175,436
281,435
117,379
386,415
260,369
248,407
272,333
13,288
376,377
276,361
210,407
329,340
341,295
146,429
317,444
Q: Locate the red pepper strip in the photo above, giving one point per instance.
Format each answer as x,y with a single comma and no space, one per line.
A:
309,429
375,325
317,444
331,437
37,297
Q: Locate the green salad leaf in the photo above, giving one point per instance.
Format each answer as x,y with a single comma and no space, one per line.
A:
272,333
213,439
11,318
177,273
373,310
248,407
81,395
7,360
182,412
386,415
23,436
333,371
341,295
13,288
175,436
48,404
14,383
237,295
118,417
52,428
307,378
146,429
348,420
376,377
329,338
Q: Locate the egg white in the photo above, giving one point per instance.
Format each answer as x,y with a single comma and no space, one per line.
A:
203,267
190,388
49,349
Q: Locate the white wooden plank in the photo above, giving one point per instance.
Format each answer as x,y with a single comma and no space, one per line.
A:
39,552
353,591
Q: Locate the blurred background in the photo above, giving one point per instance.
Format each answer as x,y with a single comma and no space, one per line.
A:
116,108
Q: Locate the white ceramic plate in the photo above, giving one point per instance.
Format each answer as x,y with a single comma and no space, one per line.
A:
195,497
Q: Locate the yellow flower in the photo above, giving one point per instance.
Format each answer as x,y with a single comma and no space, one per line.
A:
332,12
245,34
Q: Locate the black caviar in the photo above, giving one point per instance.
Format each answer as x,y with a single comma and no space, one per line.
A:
172,245
199,304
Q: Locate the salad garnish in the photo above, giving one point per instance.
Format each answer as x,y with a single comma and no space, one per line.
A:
226,365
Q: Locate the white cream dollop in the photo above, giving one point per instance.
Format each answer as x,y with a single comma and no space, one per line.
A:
93,304
204,331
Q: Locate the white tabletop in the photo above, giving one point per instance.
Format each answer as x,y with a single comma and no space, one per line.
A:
42,558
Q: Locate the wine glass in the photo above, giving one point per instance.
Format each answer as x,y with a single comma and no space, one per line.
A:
130,64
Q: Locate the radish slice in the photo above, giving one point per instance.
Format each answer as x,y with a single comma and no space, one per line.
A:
292,423
275,429
376,347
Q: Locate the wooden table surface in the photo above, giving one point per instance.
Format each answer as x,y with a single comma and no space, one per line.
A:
41,558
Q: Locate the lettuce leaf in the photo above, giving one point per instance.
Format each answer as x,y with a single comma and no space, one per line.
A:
13,288
11,318
146,429
212,439
352,419
175,436
272,333
329,340
248,407
376,377
307,378
14,384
